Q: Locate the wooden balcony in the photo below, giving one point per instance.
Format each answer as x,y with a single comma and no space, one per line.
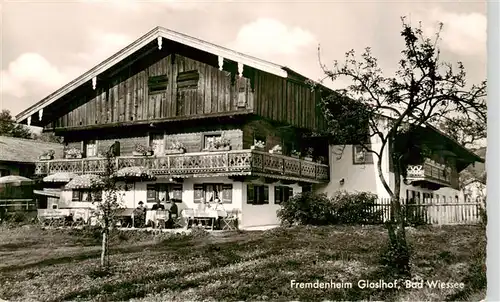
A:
203,164
429,172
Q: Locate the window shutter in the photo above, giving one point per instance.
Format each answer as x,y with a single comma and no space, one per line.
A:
198,193
227,193
266,195
250,194
177,192
277,195
151,193
76,195
96,195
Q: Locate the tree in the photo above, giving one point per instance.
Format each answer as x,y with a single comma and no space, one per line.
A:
110,204
8,127
389,109
48,137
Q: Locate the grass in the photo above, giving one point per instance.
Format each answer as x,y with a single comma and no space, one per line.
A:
61,265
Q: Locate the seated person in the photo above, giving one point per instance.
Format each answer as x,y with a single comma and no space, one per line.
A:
140,215
158,206
173,212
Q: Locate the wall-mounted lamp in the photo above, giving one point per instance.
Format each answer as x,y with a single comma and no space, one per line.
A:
170,179
341,182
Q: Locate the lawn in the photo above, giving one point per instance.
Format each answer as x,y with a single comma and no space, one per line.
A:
59,265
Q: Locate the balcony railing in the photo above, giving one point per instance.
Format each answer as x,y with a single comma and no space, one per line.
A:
224,163
429,171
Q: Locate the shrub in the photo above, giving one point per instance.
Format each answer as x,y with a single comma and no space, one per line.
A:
307,208
343,208
355,208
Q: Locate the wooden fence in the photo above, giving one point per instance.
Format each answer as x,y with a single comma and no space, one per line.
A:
429,211
18,204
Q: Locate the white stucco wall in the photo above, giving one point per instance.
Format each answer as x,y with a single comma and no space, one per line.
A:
262,214
250,215
365,177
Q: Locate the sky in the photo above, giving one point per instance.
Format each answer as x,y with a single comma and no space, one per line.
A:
46,44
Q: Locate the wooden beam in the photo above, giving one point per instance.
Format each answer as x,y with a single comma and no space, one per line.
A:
156,121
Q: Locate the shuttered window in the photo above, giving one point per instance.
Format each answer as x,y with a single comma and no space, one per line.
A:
198,193
90,148
282,194
157,84
86,195
257,194
227,193
210,192
151,193
164,192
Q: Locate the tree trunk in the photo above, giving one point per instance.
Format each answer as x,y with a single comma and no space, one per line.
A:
104,249
398,247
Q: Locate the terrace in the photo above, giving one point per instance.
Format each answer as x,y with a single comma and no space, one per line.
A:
201,164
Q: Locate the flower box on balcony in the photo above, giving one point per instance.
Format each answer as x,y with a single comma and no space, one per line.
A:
275,152
46,157
308,158
295,155
172,151
73,156
224,148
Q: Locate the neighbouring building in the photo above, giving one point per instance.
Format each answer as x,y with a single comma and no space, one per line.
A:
18,156
208,122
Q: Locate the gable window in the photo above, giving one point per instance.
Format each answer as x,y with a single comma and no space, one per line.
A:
164,192
361,156
157,84
188,79
210,192
86,195
282,194
90,148
209,140
157,142
257,194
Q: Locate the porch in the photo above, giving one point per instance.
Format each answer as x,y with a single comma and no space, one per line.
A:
201,164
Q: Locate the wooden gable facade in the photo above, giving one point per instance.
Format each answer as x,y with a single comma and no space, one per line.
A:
178,82
168,89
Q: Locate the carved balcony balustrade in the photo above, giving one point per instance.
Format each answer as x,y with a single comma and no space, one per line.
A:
429,171
202,164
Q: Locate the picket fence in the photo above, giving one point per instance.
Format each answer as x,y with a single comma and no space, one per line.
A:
431,211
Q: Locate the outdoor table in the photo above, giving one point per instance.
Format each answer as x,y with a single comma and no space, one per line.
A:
151,215
209,214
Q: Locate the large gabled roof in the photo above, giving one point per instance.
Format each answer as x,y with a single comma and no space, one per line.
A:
157,33
13,149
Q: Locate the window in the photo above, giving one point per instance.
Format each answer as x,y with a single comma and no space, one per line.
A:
164,192
157,84
86,195
188,79
90,148
210,192
361,156
157,142
282,194
209,141
257,194
4,172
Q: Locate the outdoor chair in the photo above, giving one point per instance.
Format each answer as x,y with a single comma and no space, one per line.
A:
187,215
230,222
161,216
